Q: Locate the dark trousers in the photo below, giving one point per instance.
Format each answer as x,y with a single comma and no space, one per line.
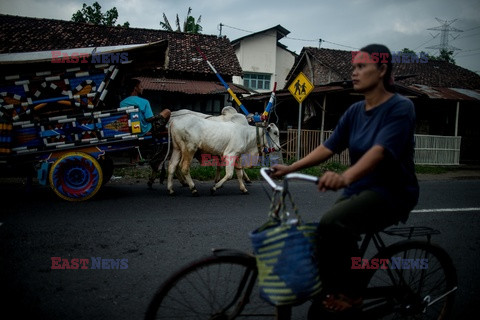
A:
339,231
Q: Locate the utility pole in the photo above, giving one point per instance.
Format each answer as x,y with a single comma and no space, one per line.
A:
445,28
220,28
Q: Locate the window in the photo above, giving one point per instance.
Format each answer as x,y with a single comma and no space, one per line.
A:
257,81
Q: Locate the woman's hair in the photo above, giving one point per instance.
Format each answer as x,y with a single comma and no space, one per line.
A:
384,54
130,85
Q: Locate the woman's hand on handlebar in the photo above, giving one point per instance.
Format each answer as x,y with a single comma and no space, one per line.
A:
279,170
331,181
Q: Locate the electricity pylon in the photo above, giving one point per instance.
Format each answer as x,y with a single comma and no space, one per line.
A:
445,29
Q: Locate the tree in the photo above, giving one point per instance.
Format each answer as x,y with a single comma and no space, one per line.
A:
444,55
93,14
406,50
190,25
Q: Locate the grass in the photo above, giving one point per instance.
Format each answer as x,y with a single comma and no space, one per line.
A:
425,169
206,173
137,172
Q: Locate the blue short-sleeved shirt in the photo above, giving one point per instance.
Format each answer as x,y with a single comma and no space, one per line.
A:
392,126
144,108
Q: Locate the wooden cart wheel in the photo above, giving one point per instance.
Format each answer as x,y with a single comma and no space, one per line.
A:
76,176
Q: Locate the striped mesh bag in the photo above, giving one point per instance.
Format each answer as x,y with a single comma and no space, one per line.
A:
285,251
287,268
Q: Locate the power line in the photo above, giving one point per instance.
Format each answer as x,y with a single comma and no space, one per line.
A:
341,45
470,50
471,29
423,44
295,39
468,35
467,55
248,31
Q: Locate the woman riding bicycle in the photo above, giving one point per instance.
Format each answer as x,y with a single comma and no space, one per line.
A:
380,186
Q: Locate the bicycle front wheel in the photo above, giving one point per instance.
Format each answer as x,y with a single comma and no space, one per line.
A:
216,287
418,281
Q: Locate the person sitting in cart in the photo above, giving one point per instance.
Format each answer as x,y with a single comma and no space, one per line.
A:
147,119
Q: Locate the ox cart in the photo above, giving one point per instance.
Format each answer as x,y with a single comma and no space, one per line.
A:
59,115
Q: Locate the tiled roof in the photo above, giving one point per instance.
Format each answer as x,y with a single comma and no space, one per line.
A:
188,86
432,73
437,74
23,34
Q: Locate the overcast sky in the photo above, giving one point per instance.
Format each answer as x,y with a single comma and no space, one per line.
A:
342,24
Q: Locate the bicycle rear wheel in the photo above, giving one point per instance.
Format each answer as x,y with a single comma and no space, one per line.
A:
216,287
419,283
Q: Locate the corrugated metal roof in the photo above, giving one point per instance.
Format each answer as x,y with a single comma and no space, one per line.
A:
46,56
414,90
470,93
446,93
285,93
188,86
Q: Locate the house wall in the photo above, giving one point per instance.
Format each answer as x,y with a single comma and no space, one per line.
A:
260,54
285,61
323,75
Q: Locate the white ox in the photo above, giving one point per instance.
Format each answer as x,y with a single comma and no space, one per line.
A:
228,113
228,139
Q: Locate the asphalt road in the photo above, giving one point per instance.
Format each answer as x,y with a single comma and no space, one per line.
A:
155,234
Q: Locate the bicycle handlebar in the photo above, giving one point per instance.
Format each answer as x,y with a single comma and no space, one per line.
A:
265,172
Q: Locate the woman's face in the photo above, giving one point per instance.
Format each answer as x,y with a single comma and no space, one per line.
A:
366,74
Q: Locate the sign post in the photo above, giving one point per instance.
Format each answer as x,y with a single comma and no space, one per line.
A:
300,89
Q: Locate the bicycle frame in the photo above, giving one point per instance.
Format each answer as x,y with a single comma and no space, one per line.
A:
395,292
387,290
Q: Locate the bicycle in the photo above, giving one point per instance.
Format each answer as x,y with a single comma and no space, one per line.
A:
221,286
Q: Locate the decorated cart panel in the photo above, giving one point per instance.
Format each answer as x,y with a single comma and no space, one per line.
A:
60,117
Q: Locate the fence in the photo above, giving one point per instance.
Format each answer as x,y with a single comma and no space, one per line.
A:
437,150
309,140
431,150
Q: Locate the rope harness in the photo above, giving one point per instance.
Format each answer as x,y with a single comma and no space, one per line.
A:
269,146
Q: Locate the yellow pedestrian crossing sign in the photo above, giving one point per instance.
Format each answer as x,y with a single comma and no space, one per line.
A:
300,87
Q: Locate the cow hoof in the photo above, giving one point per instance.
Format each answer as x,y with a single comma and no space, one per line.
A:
171,193
212,191
150,185
248,182
195,193
245,192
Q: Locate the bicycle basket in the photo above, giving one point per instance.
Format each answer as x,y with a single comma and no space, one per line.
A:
287,267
